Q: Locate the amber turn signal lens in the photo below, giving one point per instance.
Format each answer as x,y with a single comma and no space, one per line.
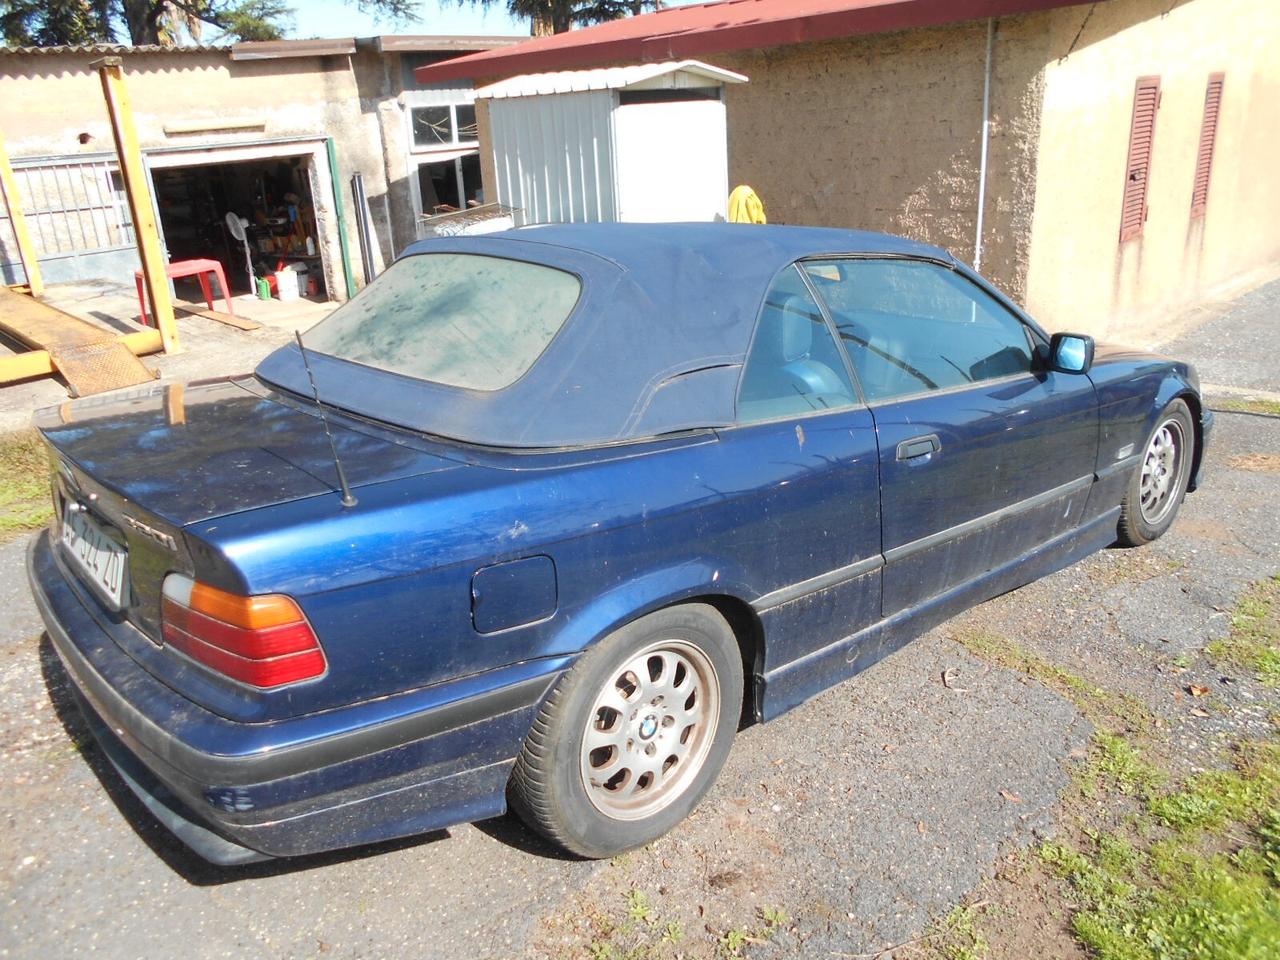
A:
249,613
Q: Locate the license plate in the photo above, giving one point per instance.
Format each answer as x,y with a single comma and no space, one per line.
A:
100,560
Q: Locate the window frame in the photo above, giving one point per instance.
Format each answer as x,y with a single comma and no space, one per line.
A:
1037,339
858,401
451,144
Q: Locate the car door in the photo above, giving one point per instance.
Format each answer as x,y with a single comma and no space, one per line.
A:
806,509
984,454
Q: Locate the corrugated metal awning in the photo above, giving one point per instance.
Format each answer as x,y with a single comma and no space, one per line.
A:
674,74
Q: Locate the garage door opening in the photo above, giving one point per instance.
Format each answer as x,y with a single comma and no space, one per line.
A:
273,197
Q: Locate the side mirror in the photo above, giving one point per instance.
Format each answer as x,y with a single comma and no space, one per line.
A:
1070,353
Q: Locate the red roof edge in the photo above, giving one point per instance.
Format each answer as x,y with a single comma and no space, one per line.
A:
730,26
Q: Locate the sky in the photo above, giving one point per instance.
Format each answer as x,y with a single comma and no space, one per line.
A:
342,18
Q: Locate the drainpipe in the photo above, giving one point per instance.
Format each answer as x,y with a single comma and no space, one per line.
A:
986,138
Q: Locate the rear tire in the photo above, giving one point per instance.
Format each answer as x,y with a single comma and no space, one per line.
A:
633,736
1159,482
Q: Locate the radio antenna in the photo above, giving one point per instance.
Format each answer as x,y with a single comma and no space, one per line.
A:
347,499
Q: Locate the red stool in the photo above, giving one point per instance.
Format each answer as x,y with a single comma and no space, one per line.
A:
189,268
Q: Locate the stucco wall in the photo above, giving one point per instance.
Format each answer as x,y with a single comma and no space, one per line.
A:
48,100
883,133
1080,275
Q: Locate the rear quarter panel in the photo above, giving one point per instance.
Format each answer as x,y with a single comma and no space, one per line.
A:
387,584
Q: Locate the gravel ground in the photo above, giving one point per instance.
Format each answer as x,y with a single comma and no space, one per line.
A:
863,814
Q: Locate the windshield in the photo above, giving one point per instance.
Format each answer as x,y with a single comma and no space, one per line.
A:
457,319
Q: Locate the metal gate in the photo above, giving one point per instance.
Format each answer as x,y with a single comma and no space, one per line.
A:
78,216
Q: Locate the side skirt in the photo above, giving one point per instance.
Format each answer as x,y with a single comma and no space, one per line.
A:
793,683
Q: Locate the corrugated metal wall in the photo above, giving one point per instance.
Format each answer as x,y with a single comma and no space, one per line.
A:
553,157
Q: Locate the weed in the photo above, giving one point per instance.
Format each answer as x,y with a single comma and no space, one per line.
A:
25,500
1097,704
733,941
638,907
1269,408
960,936
1254,639
774,917
672,932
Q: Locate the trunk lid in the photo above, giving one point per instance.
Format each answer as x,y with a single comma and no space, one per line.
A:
208,450
138,468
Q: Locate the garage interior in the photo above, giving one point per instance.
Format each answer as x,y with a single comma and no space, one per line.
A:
273,195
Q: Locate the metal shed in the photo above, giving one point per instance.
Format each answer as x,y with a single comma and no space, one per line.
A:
642,143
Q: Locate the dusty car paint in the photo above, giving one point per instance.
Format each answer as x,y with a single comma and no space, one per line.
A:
467,579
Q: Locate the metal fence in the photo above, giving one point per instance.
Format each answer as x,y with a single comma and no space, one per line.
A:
74,206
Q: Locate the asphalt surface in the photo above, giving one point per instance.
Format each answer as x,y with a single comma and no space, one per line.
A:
863,814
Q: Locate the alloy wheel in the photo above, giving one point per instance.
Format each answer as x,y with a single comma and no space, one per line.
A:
649,730
1162,469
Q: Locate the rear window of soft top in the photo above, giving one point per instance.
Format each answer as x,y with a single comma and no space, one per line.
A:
458,319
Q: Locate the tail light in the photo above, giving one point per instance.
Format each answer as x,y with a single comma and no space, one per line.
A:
263,641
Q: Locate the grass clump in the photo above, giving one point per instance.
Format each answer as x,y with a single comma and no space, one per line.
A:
1182,896
25,501
961,934
1254,640
1104,708
1270,408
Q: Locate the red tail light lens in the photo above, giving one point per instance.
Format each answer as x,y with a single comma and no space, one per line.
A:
263,641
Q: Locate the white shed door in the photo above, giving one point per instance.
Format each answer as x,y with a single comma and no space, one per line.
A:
671,161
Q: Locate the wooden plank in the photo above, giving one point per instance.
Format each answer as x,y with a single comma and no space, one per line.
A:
13,205
240,323
137,188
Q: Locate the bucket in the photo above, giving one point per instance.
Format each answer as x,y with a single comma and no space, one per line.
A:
302,273
287,284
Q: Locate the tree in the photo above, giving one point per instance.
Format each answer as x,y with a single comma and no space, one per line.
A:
166,22
49,23
559,16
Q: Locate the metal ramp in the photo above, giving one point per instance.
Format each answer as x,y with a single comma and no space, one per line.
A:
89,358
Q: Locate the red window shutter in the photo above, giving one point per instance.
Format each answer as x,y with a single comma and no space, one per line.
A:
1208,134
1142,130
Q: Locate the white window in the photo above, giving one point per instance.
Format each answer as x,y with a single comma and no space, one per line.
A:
443,125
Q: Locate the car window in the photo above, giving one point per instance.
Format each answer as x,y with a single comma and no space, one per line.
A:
458,319
794,366
911,326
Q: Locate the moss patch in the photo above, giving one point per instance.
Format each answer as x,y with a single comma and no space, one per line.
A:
25,502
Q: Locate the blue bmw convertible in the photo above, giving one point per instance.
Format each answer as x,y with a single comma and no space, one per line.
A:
541,518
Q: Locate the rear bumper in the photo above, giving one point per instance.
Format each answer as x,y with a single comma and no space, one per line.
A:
234,792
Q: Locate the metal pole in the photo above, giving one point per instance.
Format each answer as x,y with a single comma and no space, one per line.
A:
341,217
986,138
138,190
13,204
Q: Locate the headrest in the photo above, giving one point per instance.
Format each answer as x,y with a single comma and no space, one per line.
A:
795,327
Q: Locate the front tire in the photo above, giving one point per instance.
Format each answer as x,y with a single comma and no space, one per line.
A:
633,736
1159,483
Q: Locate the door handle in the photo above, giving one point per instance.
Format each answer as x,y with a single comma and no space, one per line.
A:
919,447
